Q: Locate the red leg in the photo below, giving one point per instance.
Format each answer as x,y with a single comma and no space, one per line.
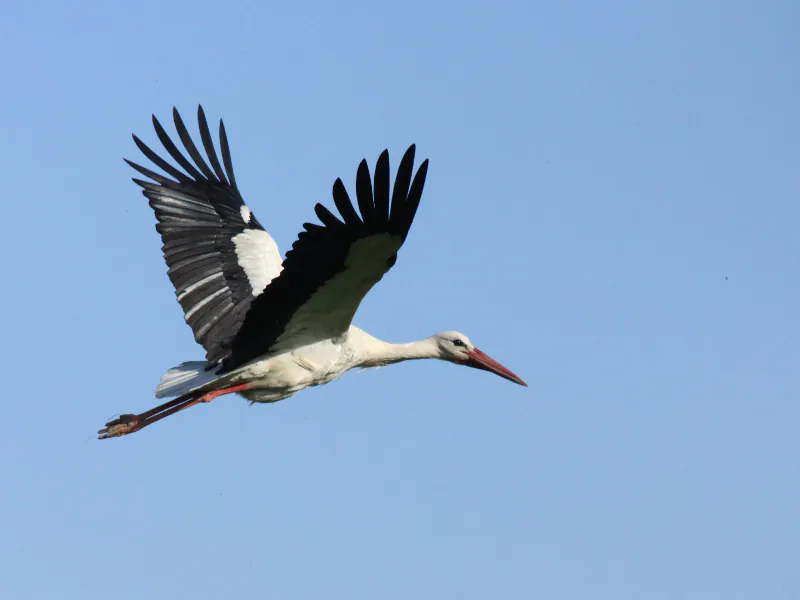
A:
126,424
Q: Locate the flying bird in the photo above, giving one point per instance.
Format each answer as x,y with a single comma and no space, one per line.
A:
273,326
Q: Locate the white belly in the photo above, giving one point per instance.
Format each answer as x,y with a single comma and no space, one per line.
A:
284,375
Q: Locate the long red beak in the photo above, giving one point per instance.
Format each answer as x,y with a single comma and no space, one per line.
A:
479,360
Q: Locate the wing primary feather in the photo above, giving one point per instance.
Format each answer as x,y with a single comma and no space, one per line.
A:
381,192
160,162
415,195
174,152
343,203
226,154
186,209
147,185
208,144
312,227
188,143
364,194
327,217
148,173
179,196
401,182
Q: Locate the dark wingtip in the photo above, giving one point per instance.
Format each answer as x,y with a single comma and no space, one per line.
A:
408,158
139,143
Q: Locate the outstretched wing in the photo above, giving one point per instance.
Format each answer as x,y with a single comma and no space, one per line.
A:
332,266
218,254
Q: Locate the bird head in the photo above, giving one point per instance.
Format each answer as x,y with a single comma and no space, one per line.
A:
456,348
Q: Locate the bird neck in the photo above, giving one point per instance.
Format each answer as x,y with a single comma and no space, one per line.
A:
372,352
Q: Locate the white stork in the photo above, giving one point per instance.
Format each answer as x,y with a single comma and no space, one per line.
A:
273,327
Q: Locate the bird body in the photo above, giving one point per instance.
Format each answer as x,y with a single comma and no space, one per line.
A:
283,374
274,326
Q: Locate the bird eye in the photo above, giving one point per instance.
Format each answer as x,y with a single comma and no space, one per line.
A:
458,343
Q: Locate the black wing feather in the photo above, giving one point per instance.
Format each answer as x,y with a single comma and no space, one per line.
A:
183,133
401,183
343,203
327,217
415,194
158,161
382,190
208,144
366,204
226,154
170,147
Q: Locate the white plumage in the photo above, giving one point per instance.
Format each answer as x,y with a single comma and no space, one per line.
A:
273,326
258,255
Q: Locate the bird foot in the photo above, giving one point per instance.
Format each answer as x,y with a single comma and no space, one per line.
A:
124,425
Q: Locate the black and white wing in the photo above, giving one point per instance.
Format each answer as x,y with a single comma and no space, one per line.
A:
218,254
332,266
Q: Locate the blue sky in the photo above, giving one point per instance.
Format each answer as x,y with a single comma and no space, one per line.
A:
611,210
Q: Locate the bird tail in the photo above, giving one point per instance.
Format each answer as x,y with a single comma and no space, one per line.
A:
184,378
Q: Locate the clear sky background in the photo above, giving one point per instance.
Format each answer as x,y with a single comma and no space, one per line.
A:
611,210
